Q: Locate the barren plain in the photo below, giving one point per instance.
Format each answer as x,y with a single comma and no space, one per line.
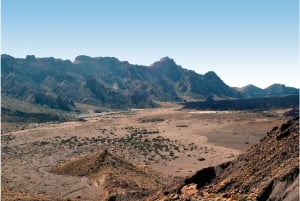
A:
163,144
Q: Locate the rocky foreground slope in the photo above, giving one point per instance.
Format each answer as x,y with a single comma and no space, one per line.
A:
113,176
267,171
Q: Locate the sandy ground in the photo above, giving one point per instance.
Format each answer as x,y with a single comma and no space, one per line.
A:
173,141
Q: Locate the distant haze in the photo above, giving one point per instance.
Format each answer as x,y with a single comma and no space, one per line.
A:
242,41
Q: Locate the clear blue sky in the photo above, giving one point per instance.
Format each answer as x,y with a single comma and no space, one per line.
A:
243,41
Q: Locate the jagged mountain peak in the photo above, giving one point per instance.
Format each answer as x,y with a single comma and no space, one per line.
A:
211,74
212,77
30,57
277,89
164,62
250,86
273,90
83,59
6,56
276,85
166,59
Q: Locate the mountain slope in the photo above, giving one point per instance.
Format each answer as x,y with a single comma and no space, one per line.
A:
252,91
273,90
279,89
187,83
105,81
267,171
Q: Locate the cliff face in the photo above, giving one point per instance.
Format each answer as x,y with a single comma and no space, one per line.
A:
105,81
267,171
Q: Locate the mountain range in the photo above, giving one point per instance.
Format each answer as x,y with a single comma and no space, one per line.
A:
108,82
273,90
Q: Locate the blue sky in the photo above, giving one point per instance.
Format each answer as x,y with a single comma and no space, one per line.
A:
243,41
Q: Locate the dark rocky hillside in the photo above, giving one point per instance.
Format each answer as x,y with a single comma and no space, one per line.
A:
267,171
8,115
105,81
108,82
252,91
291,101
273,90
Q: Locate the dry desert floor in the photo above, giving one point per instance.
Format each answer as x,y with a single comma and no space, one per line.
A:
172,141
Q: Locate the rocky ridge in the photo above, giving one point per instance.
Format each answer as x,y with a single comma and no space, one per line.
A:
108,82
267,171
